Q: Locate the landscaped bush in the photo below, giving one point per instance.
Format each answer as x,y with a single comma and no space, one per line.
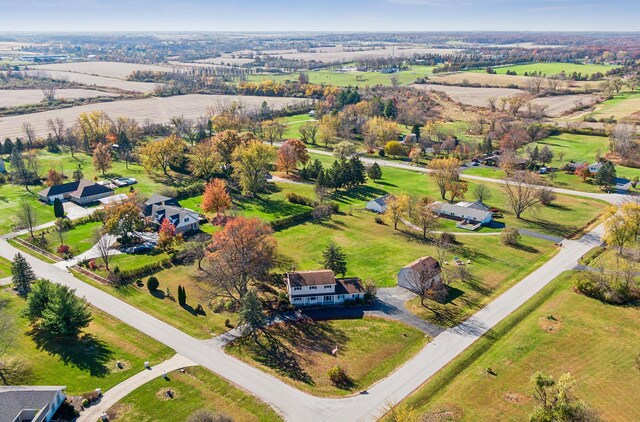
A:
379,220
188,191
339,377
449,238
291,220
510,236
144,270
63,249
294,198
153,284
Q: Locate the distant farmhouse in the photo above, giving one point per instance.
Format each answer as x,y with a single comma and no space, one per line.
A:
159,207
321,288
471,215
82,192
30,404
423,273
378,205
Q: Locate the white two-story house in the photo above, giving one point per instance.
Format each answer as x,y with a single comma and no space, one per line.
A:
321,288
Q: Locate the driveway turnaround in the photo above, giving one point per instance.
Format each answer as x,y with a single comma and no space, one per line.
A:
295,405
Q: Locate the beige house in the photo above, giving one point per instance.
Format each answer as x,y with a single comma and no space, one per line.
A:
421,275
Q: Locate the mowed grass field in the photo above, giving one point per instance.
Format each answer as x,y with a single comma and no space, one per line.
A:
595,342
486,80
550,69
194,389
300,353
79,238
328,77
5,268
623,107
84,364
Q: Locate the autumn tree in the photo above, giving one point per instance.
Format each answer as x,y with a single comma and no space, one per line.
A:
54,178
159,155
456,190
102,158
555,401
272,130
168,238
291,153
583,172
251,166
204,161
93,128
216,198
444,171
344,150
424,216
122,219
328,129
226,143
378,131
394,149
521,192
244,251
397,208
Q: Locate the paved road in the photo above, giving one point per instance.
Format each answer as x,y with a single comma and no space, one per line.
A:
296,405
120,391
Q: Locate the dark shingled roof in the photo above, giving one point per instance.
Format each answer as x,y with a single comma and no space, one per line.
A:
311,278
15,399
79,189
423,264
348,286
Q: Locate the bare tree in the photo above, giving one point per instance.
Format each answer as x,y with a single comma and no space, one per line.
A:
425,281
57,128
71,141
622,138
27,217
49,93
103,245
481,193
29,132
521,191
535,85
423,215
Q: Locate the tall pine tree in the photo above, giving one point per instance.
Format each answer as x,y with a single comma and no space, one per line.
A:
23,274
334,259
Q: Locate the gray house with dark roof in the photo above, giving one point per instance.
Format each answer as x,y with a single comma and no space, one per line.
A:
32,404
378,205
158,208
321,288
81,192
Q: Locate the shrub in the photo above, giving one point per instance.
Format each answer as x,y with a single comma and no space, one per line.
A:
227,323
339,377
92,265
370,290
616,287
217,306
547,196
379,220
291,220
510,236
63,249
153,283
182,296
200,310
294,198
447,237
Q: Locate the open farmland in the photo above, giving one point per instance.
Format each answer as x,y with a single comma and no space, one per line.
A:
97,81
225,60
560,104
106,69
485,79
469,95
157,110
550,69
341,53
18,97
624,108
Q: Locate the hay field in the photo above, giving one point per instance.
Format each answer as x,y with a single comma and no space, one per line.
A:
157,110
470,96
486,79
18,97
560,104
551,68
340,53
107,69
97,81
624,108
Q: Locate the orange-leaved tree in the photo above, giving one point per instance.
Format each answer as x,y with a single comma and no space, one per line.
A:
216,198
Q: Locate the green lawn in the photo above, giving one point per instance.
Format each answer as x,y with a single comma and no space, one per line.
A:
80,238
11,197
300,353
551,69
5,268
328,77
167,309
193,390
597,343
623,107
87,363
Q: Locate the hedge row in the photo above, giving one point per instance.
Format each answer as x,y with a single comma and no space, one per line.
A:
291,220
144,270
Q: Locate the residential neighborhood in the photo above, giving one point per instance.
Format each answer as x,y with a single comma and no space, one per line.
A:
406,211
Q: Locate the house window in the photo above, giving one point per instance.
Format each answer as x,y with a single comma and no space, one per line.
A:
327,286
328,298
340,296
296,299
297,289
312,288
312,298
186,219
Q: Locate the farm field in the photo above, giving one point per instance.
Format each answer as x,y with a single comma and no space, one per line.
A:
87,363
18,97
96,81
225,60
300,353
554,332
115,70
194,389
340,53
468,95
624,108
558,105
328,77
550,69
157,110
484,79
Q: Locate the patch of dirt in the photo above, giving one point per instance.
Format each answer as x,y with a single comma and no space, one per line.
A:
517,398
166,393
550,325
117,410
447,412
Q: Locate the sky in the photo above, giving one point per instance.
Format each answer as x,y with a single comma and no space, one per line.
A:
319,15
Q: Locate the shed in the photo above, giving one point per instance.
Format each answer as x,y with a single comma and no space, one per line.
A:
378,205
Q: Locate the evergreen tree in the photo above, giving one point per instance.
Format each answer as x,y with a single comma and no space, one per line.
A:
334,259
182,296
251,315
416,131
606,176
487,145
65,314
390,110
23,274
374,172
322,180
7,147
38,299
58,208
356,172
